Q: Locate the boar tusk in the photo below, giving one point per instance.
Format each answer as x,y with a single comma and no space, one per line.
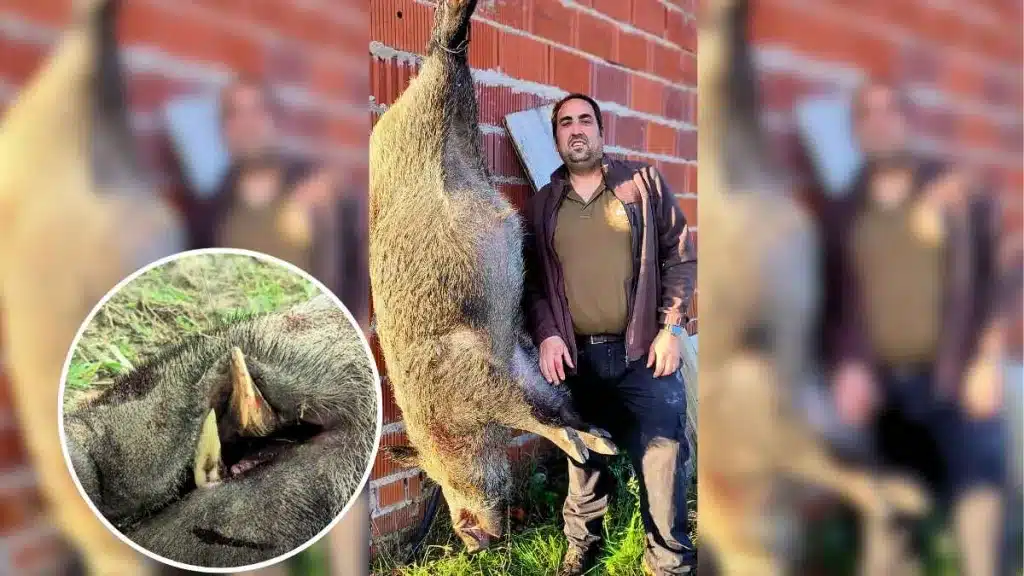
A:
207,465
248,404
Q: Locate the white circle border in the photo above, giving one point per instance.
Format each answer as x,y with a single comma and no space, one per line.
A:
295,270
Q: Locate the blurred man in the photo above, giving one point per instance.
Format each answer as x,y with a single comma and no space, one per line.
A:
918,344
268,197
610,273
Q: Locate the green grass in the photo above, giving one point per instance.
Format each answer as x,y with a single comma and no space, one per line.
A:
536,544
188,296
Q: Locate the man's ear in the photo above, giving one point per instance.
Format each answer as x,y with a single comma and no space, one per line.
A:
404,456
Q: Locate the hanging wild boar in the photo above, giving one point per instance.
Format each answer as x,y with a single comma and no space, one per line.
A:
446,272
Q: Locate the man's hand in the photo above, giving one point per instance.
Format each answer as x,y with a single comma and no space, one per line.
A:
664,354
310,194
983,388
553,352
856,393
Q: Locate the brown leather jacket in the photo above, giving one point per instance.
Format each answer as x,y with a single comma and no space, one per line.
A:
972,286
664,257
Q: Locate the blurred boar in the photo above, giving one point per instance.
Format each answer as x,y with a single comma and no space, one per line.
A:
76,216
236,446
760,301
446,273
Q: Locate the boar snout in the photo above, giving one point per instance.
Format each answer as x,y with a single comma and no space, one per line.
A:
477,530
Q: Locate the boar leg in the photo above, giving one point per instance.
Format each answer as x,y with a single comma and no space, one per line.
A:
247,403
553,415
207,464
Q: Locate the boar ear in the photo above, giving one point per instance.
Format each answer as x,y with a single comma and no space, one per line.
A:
405,456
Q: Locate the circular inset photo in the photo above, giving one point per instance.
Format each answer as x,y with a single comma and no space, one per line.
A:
220,410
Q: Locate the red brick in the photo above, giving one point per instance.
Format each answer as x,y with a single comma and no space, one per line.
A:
414,486
688,70
649,15
675,104
383,466
20,60
686,144
552,20
396,520
647,95
569,71
508,13
668,64
632,51
495,102
681,31
691,179
501,155
611,84
522,57
630,133
18,508
483,50
517,194
54,13
596,36
617,9
674,175
391,494
12,450
661,139
689,206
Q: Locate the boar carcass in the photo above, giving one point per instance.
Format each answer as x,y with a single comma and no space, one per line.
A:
76,216
237,446
446,274
760,302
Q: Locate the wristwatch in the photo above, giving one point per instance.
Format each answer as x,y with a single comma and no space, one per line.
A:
674,329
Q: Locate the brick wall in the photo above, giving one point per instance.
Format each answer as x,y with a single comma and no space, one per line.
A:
636,57
310,51
960,60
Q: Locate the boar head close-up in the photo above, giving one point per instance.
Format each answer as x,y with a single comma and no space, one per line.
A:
235,446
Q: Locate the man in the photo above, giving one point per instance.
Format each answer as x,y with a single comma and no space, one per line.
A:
610,273
917,348
266,201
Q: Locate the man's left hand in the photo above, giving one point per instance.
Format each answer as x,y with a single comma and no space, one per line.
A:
310,194
664,354
983,388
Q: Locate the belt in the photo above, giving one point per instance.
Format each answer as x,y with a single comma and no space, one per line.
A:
600,339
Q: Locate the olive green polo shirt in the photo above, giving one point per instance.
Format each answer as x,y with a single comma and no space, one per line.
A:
594,247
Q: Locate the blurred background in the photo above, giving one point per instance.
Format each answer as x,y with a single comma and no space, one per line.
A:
233,103
953,73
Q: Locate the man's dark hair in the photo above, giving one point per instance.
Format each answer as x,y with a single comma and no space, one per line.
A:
576,96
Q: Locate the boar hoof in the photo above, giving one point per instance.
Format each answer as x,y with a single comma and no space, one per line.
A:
575,447
599,441
207,464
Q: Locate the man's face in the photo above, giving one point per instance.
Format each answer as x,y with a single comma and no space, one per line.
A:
248,123
577,136
879,123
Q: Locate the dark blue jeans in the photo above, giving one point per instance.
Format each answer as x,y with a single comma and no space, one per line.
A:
935,438
646,417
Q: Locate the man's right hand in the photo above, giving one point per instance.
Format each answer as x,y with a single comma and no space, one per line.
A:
553,352
855,392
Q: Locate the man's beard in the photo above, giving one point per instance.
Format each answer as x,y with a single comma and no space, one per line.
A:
583,158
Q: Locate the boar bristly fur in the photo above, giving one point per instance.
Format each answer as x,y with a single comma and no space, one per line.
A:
447,278
133,448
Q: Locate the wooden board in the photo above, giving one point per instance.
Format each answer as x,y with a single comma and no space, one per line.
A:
530,132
